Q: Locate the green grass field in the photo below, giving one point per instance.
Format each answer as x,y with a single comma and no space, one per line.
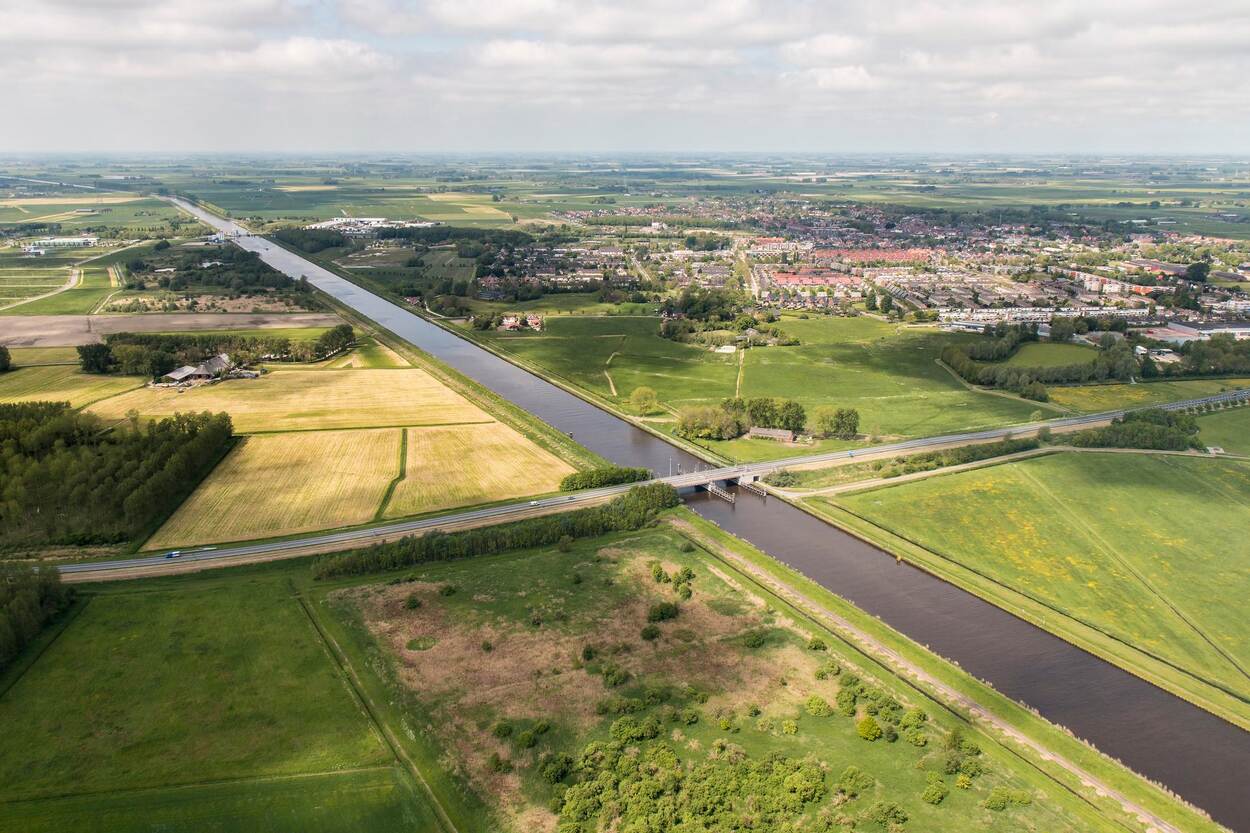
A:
1091,399
741,647
1229,430
1047,354
207,703
1127,553
92,288
885,371
33,356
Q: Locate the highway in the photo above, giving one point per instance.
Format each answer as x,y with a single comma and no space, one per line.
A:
350,538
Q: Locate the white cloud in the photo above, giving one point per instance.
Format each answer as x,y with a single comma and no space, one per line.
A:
516,74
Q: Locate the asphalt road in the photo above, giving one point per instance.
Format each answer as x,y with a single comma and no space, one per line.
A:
354,537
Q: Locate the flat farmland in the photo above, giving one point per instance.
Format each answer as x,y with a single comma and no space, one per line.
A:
1091,399
126,215
88,292
369,353
281,484
34,356
298,400
62,383
1138,555
196,705
470,464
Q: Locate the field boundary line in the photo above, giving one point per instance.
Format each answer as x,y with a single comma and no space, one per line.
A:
1001,394
353,682
399,476
1137,574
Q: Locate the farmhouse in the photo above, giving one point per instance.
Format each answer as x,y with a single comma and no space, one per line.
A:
66,242
203,372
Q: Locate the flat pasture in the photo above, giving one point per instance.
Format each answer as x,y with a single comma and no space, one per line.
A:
34,356
299,400
368,353
62,383
207,704
1140,548
1229,430
1049,354
470,464
1092,399
87,293
273,485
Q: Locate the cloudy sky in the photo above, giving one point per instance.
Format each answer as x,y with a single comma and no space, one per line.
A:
586,75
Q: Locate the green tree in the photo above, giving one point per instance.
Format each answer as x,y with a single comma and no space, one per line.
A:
791,416
644,400
1198,271
6,361
95,358
887,303
868,728
846,423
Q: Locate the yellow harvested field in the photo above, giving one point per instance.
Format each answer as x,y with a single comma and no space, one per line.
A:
470,464
62,383
298,400
282,484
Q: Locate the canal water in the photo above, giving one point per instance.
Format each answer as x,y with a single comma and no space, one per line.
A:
1200,757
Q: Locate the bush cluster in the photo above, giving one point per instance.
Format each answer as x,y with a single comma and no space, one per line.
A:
29,599
606,476
1153,428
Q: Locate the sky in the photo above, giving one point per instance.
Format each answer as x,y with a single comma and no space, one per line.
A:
1094,76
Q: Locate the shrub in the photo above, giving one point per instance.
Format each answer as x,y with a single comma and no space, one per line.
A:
1000,798
487,647
498,764
502,729
828,670
817,644
589,652
818,706
854,781
412,602
662,612
565,544
421,643
447,590
889,732
657,573
686,546
650,633
630,730
526,740
789,727
755,638
683,591
868,728
614,675
846,702
886,814
555,768
935,791
963,782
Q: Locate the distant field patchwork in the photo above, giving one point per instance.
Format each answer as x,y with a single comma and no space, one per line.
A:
62,383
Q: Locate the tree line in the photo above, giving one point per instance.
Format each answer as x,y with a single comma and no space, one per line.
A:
1114,362
311,240
65,479
630,511
155,354
232,268
30,598
734,416
1153,428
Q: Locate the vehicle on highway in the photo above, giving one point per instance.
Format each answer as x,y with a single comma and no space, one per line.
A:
533,503
173,553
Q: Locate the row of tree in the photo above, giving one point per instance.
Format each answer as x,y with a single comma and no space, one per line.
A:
66,479
1114,363
605,476
30,598
632,510
155,354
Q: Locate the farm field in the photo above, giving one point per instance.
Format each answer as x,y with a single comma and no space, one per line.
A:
273,485
124,215
34,356
731,673
89,292
295,400
469,464
203,704
62,383
1228,429
886,372
368,353
1048,354
1091,399
1134,552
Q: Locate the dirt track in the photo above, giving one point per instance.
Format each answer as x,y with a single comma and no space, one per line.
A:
73,330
